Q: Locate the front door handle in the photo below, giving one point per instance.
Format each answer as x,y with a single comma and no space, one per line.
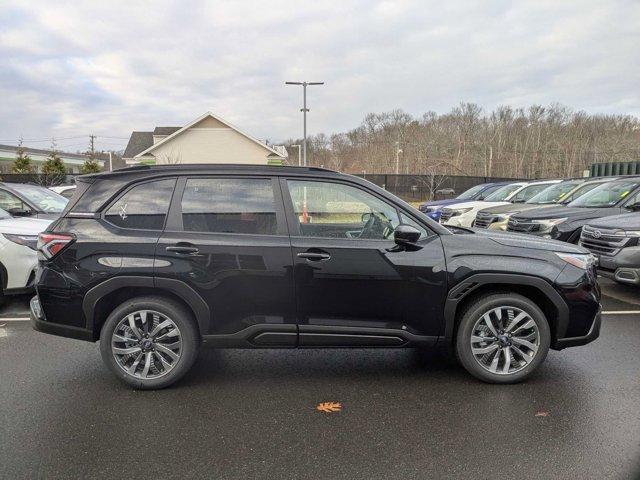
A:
314,256
183,250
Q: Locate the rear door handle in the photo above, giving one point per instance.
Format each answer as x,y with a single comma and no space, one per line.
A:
183,250
314,256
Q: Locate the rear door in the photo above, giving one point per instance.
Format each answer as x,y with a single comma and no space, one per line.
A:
226,239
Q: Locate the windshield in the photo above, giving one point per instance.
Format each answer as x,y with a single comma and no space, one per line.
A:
43,198
502,193
471,193
581,190
605,195
554,193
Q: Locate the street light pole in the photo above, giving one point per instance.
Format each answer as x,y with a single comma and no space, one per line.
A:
304,111
299,155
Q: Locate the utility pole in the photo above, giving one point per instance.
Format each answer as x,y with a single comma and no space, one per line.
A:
92,146
299,157
304,111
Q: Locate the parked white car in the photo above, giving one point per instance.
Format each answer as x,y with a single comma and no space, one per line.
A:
464,214
66,191
18,259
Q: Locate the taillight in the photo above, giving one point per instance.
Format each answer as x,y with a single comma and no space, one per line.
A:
50,244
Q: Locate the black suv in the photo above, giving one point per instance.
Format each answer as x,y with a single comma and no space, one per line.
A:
153,261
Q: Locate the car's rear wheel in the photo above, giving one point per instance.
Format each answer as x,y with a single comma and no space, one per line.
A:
149,342
502,338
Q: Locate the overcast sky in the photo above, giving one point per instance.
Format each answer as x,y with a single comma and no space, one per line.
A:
110,67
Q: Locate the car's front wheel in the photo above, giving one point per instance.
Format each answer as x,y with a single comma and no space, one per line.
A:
502,338
149,342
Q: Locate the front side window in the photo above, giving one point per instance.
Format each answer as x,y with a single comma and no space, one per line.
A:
229,205
606,195
527,192
10,202
503,193
335,210
43,198
142,207
553,194
471,193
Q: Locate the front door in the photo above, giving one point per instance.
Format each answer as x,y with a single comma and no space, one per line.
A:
352,286
226,238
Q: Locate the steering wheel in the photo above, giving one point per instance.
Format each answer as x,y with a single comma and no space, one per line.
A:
376,226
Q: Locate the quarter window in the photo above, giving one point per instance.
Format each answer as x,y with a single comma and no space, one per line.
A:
143,207
229,205
335,210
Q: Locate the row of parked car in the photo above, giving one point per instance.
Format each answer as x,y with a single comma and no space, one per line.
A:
600,214
25,211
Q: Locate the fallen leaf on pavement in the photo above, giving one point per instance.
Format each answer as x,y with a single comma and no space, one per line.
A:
329,407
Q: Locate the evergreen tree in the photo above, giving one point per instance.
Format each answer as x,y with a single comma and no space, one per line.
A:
90,166
53,164
22,163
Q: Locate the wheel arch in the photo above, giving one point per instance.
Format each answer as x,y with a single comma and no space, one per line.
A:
535,289
100,301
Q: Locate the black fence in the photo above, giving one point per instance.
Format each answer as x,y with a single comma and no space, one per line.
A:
415,188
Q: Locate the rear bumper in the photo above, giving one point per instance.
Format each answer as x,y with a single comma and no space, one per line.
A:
39,323
594,332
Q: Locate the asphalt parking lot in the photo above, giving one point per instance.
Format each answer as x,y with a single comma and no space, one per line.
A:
252,414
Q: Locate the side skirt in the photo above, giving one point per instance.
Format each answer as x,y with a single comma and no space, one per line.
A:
316,336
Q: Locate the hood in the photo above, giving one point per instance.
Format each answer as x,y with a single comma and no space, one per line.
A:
528,241
440,203
626,221
572,213
23,226
514,208
478,204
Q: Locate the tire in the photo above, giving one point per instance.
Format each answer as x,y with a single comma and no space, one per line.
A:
157,365
502,309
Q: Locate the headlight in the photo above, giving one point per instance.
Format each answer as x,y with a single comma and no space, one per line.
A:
30,241
502,218
460,211
549,223
430,209
632,233
580,260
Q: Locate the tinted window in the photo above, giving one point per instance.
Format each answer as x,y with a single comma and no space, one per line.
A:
334,210
144,206
229,205
578,192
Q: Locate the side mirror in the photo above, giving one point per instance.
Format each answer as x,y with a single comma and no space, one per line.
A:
406,236
20,212
518,200
634,207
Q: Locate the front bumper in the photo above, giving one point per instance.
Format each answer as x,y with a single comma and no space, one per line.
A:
40,324
594,332
624,267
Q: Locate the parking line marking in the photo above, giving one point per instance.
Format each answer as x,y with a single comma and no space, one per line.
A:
15,319
622,312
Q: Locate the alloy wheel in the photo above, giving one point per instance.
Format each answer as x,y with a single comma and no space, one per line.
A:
505,340
146,344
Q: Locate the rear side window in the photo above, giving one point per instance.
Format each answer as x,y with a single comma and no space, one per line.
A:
142,207
229,205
